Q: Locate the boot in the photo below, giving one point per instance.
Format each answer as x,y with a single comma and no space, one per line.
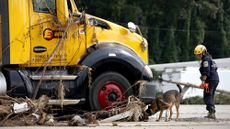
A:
211,115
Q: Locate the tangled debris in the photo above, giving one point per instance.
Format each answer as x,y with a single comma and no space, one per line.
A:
26,112
87,119
137,108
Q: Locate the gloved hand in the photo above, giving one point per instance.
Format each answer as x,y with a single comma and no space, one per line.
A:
204,85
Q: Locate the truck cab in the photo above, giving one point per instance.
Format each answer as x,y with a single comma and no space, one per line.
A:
48,45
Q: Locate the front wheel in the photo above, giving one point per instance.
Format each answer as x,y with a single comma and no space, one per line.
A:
109,87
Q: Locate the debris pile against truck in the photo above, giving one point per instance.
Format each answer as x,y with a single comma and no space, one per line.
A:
26,112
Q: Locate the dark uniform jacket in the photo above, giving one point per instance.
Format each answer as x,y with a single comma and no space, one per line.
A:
209,68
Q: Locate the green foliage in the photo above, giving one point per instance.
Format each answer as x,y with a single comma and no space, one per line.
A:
193,100
172,28
170,52
219,99
222,99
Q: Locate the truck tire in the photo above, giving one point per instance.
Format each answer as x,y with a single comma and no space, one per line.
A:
108,87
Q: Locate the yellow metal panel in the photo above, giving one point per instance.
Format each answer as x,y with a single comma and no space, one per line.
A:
43,31
19,31
74,7
123,36
62,11
77,42
46,32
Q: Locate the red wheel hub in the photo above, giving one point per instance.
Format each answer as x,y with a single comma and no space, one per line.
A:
109,93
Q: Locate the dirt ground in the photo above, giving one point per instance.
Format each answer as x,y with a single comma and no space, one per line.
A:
191,117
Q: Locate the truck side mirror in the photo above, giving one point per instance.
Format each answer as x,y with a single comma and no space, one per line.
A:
132,27
62,11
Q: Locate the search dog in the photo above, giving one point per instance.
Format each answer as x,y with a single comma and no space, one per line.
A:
166,102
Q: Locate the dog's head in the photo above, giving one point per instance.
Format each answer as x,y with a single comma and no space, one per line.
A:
155,106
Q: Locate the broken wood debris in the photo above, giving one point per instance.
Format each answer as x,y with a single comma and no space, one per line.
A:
88,119
23,112
133,111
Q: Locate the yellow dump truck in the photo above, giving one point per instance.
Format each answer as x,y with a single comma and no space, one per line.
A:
46,44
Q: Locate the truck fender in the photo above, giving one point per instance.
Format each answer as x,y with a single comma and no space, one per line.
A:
113,51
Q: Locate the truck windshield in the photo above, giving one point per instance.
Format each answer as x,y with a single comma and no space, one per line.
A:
44,6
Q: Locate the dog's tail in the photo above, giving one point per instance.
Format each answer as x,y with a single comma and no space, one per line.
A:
179,87
182,90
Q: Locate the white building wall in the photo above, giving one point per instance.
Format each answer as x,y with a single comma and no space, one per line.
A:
192,75
189,72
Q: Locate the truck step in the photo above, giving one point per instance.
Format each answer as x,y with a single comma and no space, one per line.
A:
53,77
65,101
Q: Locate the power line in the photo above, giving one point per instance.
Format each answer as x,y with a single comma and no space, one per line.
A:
170,29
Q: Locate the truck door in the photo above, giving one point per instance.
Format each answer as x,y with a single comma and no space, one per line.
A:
45,33
49,20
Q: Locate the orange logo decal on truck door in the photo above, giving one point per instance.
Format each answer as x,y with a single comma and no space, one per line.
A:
49,34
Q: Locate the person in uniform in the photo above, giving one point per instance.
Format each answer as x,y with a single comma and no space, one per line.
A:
209,78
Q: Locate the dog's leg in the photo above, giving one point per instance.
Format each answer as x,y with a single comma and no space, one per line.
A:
160,115
170,116
177,110
166,115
